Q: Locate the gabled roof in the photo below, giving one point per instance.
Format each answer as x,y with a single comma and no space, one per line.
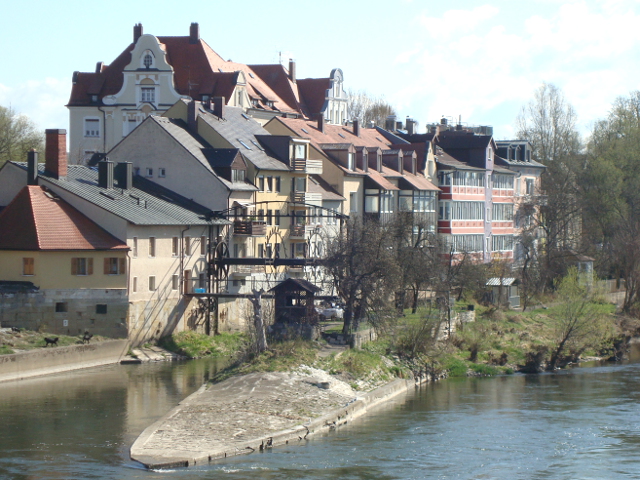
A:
39,220
147,203
199,70
318,185
298,284
242,131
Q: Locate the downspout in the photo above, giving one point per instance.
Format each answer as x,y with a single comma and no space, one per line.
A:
104,132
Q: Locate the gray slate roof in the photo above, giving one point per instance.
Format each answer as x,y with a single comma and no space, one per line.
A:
147,203
240,130
197,147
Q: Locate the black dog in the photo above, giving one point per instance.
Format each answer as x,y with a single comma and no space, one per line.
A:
50,341
15,329
87,337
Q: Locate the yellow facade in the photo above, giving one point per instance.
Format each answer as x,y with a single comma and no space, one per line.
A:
53,270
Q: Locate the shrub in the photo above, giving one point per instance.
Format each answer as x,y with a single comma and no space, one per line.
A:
484,369
455,367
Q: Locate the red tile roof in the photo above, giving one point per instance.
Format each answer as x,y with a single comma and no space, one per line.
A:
36,220
199,70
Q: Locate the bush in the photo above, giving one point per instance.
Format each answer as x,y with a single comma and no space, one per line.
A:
455,367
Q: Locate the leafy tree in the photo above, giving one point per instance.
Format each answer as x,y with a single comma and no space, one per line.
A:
576,321
18,135
363,106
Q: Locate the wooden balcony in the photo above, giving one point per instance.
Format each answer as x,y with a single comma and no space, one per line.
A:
249,228
310,167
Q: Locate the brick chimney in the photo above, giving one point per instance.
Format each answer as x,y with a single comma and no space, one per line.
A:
194,33
321,122
55,153
32,167
356,127
137,32
292,70
218,106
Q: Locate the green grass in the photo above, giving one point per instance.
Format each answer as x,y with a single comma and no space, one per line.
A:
5,350
199,345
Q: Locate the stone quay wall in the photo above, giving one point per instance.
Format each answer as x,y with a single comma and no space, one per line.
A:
45,360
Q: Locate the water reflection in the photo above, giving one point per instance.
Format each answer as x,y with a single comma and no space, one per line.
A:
583,423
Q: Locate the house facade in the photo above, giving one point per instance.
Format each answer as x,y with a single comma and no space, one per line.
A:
153,73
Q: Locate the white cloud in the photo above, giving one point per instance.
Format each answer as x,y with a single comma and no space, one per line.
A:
42,101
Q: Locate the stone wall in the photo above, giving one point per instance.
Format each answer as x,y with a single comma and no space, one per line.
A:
67,311
44,361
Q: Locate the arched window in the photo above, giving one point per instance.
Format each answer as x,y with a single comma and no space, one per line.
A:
148,60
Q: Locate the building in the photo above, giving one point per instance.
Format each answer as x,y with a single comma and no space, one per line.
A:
170,239
153,73
78,269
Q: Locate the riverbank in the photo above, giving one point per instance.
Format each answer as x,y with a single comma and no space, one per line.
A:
254,412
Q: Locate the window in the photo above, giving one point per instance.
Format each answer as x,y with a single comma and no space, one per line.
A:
502,211
91,127
162,172
135,247
114,266
300,184
261,215
174,246
203,245
464,243
503,181
261,183
175,282
149,172
61,307
386,201
299,152
82,266
351,161
269,184
277,184
152,283
371,201
277,218
101,308
152,246
202,281
148,94
353,202
27,266
461,178
530,186
501,243
134,285
449,210
424,201
148,60
237,176
269,217
187,245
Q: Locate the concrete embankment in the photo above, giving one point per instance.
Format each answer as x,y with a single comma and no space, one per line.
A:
254,412
44,361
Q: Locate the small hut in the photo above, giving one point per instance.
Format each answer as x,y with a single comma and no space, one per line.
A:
295,301
504,291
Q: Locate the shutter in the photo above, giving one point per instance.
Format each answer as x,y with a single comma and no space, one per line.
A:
89,266
122,266
74,266
106,266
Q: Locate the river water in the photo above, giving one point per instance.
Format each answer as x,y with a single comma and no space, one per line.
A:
582,423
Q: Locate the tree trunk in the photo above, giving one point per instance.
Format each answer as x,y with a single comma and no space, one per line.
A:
261,336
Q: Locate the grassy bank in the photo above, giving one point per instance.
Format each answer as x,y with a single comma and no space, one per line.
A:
15,342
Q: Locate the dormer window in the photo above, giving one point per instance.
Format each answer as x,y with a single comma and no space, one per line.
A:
299,152
237,176
351,163
148,61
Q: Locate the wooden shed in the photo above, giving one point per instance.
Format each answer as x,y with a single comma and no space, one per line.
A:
294,302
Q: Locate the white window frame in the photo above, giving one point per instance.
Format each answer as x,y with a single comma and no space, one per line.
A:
95,124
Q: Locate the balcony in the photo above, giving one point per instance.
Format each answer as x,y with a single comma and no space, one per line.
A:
297,231
249,228
307,198
310,167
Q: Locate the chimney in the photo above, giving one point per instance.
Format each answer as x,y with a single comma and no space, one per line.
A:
192,116
411,126
32,167
194,33
123,175
390,123
55,153
356,127
99,66
321,122
137,32
218,106
105,174
292,70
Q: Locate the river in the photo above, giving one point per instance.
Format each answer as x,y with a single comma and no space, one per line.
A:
582,423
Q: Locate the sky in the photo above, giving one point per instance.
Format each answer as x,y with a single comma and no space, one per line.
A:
478,61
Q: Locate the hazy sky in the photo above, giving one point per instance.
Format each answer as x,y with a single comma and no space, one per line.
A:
478,60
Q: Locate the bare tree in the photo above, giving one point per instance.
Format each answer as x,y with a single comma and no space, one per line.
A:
367,108
18,135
